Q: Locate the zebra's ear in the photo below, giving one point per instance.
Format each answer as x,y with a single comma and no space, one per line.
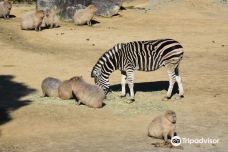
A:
96,73
75,78
92,74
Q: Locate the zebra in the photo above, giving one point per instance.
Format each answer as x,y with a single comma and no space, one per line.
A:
143,56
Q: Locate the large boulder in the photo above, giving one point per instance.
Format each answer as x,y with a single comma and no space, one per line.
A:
60,4
67,8
107,8
68,12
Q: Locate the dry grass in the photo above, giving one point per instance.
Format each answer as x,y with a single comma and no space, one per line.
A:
51,124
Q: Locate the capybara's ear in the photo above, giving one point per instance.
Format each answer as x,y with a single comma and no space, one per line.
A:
75,78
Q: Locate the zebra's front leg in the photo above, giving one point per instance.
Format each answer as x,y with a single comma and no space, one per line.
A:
130,80
123,83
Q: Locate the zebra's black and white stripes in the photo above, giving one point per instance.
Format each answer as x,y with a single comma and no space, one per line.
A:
142,56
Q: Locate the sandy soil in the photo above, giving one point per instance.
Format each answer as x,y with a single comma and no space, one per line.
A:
30,123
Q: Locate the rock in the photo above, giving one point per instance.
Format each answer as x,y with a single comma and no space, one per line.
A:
107,8
67,8
59,4
68,12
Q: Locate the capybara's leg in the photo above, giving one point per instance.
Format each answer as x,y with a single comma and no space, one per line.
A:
51,26
171,134
78,102
39,28
36,28
44,94
89,23
5,16
165,136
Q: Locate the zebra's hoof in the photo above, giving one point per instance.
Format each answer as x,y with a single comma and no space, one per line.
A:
166,98
131,101
179,97
122,96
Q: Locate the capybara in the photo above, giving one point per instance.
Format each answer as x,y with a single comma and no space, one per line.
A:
32,20
84,16
5,8
90,95
51,20
50,87
65,90
163,126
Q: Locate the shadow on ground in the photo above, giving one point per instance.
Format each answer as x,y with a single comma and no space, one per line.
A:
10,16
93,22
147,87
11,93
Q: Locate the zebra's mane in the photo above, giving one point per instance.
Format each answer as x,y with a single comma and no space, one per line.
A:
106,56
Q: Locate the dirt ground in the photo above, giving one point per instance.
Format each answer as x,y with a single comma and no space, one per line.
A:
30,123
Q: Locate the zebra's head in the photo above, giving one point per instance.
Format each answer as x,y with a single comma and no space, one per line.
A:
96,73
99,79
106,64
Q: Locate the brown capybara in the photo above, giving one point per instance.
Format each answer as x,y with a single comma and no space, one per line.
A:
90,95
65,90
50,87
163,126
51,20
5,8
84,16
32,20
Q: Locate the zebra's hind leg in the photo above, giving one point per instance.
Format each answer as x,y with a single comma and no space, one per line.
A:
179,82
130,80
172,80
123,84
